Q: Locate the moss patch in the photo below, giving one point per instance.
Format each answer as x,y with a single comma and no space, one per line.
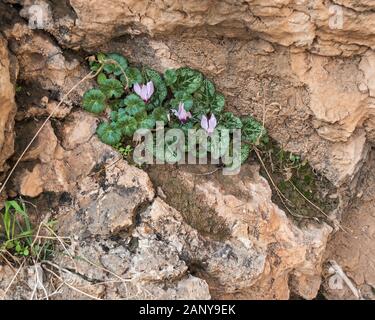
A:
295,178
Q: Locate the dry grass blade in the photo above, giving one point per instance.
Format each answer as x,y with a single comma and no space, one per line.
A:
207,173
71,286
7,261
106,167
313,204
59,239
338,270
38,281
279,193
105,269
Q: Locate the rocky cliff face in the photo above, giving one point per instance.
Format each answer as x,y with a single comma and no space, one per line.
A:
306,68
8,105
309,62
330,28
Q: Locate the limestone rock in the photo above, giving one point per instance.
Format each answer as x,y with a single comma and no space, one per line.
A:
109,206
45,70
103,224
61,163
367,66
348,158
353,250
339,27
312,101
244,231
304,68
335,97
8,105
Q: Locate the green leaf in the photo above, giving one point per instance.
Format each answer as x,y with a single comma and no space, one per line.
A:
253,131
239,159
94,66
159,85
230,121
151,106
188,80
206,100
112,88
101,78
121,115
148,123
113,115
134,76
116,68
160,114
140,116
128,125
245,152
25,234
9,245
94,101
134,104
26,252
18,247
14,204
170,77
218,103
181,96
101,57
206,91
109,133
115,104
7,220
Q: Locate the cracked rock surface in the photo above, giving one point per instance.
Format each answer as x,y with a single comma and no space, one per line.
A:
296,65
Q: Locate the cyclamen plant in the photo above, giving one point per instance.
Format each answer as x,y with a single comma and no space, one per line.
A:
131,98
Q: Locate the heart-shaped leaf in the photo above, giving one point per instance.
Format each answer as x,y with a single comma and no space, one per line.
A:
109,133
128,125
188,80
101,78
230,121
140,116
160,87
160,114
133,76
218,103
148,123
112,88
134,104
170,77
253,131
94,101
116,64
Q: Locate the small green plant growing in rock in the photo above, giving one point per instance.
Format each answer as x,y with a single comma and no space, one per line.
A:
131,98
124,150
18,236
18,88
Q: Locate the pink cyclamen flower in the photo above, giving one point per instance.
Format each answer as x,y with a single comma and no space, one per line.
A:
181,114
209,125
144,91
